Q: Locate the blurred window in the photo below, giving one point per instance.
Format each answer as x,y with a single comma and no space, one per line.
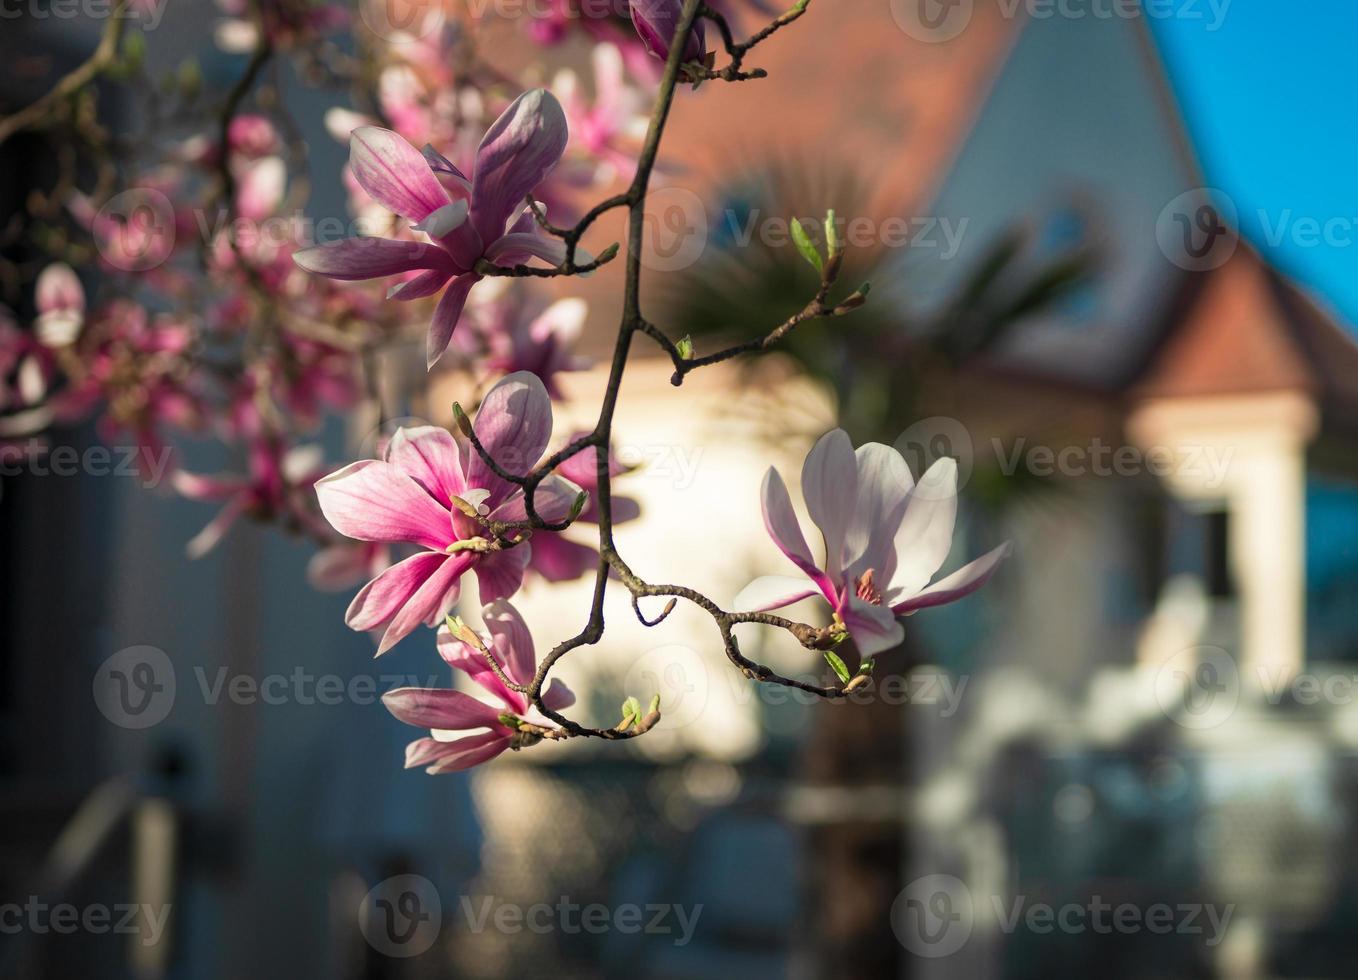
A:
1331,571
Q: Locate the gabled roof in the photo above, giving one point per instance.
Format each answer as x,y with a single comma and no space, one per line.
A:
1082,118
1246,328
1229,337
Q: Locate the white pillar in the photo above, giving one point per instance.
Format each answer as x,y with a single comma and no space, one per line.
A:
1248,453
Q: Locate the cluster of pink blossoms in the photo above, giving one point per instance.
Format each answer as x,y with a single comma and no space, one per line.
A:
201,321
211,313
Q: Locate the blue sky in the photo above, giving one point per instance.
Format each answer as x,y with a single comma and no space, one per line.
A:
1271,101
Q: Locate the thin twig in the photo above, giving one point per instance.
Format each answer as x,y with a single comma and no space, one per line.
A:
104,55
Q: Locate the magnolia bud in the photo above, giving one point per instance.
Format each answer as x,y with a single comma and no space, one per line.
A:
657,21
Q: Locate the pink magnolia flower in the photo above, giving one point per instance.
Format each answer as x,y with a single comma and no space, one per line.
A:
252,135
408,497
539,340
604,129
260,186
467,219
137,367
885,538
451,714
61,305
555,556
287,23
342,564
138,230
278,475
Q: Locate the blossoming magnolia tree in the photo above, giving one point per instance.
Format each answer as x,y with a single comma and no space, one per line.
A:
460,181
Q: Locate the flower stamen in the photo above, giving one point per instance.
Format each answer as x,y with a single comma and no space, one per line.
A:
867,590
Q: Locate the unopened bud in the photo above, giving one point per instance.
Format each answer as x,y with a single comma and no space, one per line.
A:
464,424
657,22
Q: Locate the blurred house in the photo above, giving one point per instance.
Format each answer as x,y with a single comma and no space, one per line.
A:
1127,718
1173,678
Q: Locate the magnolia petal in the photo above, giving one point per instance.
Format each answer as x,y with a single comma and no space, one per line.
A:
428,604
260,188
338,566
553,501
519,150
446,756
513,425
444,168
446,315
773,592
211,535
422,751
425,284
830,489
657,22
780,520
558,696
518,247
500,575
444,221
884,484
559,559
59,290
610,89
353,259
959,584
462,656
433,600
195,486
429,456
582,469
924,538
439,708
394,173
467,752
873,628
562,322
513,641
372,500
379,601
